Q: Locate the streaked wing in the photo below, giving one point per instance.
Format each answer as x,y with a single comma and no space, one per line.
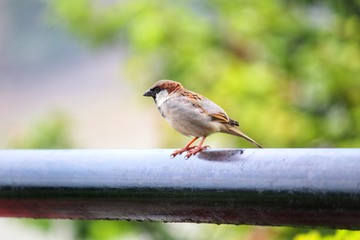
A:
209,108
220,117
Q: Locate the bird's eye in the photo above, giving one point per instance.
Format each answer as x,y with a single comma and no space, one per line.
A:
156,89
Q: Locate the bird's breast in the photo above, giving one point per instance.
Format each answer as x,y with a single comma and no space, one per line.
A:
186,118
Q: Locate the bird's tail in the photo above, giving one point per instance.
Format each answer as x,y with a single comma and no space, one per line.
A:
235,131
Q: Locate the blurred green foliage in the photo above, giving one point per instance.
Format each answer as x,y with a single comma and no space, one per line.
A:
50,132
287,70
339,235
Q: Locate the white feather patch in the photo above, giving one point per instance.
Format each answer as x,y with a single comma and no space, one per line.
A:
161,97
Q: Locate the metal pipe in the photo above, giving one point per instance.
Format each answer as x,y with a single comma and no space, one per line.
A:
296,187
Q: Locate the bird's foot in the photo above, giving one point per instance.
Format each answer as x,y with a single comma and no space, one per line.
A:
195,150
180,151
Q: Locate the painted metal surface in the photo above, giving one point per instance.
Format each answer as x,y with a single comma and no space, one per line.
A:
295,187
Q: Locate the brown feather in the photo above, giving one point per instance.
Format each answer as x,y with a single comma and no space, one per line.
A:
233,122
237,132
223,118
220,117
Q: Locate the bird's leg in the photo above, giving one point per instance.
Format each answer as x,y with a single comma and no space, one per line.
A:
197,149
184,149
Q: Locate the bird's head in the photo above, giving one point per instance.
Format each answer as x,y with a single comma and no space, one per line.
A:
162,88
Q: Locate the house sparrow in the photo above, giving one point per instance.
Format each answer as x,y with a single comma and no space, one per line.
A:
192,115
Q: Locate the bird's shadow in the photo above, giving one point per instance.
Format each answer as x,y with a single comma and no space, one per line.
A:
229,155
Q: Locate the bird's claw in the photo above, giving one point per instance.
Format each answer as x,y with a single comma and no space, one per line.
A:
180,151
193,152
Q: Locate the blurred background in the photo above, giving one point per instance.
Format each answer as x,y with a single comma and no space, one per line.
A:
72,75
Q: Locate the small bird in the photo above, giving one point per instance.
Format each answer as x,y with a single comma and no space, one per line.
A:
192,115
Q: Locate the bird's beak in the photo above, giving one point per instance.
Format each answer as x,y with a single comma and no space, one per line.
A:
149,93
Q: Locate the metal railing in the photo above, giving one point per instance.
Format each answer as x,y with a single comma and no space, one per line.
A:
296,187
